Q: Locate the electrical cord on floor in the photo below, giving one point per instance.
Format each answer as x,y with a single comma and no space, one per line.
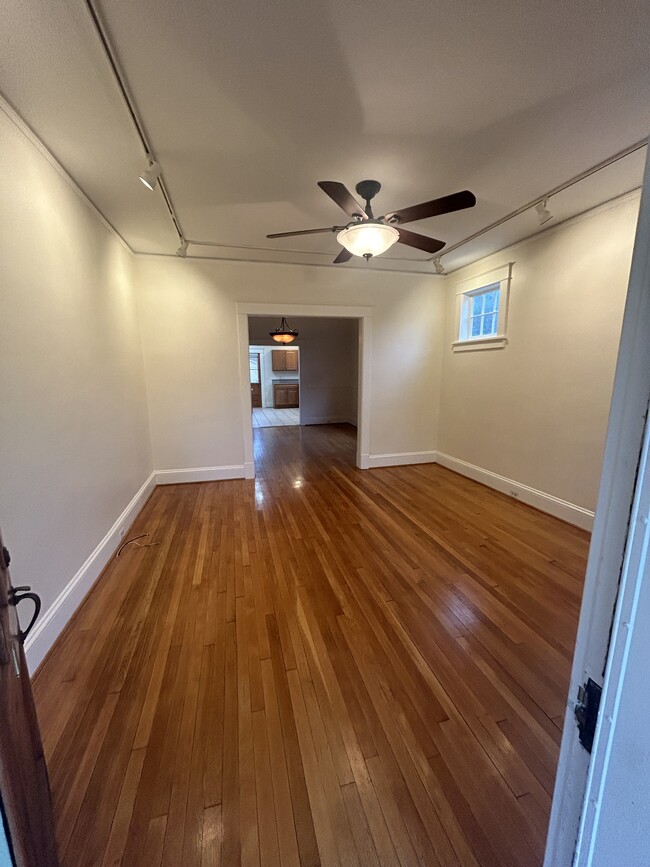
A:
134,541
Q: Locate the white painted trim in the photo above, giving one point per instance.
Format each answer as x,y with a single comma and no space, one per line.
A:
479,343
245,393
569,512
401,459
364,386
200,474
635,565
486,278
326,419
337,311
418,271
53,622
363,314
501,276
34,140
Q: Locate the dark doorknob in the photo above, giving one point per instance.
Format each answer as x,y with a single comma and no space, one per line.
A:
19,594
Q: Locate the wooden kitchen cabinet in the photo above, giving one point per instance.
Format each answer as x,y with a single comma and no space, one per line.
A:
285,395
284,359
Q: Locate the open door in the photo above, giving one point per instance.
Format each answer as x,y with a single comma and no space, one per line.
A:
609,580
256,380
24,787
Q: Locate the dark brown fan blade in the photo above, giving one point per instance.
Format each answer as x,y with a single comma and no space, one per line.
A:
434,208
306,232
343,256
343,198
420,242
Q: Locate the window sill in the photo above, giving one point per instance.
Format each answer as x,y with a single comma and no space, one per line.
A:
498,342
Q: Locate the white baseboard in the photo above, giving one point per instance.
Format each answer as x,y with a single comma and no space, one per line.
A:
51,625
201,474
569,512
326,419
401,459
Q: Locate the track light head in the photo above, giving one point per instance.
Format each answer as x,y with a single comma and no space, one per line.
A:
182,250
543,213
150,175
438,266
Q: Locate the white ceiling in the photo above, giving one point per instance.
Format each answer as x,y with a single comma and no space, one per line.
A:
249,104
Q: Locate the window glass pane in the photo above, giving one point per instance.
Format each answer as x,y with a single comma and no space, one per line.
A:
489,303
489,324
253,360
480,313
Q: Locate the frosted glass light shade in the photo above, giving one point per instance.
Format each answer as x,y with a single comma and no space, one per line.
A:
368,239
284,334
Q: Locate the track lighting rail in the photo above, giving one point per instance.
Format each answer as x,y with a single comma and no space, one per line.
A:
184,243
128,101
542,200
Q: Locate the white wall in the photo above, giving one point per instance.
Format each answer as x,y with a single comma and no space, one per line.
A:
75,445
329,364
536,411
190,334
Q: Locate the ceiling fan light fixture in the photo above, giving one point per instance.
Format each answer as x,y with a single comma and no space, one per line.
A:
284,334
368,238
150,175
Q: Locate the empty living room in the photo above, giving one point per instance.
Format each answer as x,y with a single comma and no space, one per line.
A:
324,454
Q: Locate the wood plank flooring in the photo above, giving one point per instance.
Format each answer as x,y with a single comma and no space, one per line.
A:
324,666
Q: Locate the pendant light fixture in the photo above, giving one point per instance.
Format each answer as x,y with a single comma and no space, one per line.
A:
284,334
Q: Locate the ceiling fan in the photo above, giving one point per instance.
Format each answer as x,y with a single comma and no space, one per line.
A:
366,235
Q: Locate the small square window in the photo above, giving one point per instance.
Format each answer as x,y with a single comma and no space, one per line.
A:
482,311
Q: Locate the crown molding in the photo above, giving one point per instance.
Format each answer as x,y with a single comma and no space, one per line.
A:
232,259
34,140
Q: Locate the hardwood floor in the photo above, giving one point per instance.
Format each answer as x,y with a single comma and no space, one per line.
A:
324,666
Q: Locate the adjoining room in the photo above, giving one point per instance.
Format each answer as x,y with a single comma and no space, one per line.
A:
275,386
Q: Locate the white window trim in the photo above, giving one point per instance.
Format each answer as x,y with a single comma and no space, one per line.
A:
501,276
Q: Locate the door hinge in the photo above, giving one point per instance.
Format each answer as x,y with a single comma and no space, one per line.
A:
586,712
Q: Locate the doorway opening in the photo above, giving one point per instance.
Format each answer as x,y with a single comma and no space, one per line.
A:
275,385
320,379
